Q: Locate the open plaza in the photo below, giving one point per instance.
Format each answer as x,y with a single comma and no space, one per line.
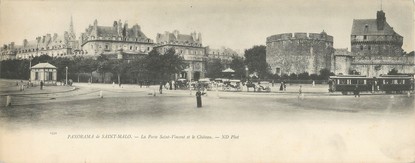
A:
321,126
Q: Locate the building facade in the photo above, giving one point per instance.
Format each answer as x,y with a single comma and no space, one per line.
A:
189,47
53,45
287,53
223,54
377,48
98,40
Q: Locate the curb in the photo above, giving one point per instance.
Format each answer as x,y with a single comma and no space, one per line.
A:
72,89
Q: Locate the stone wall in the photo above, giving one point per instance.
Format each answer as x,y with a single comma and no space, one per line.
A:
298,53
375,66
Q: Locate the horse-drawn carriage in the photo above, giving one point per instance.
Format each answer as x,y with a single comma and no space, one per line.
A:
232,85
263,86
260,86
205,84
181,84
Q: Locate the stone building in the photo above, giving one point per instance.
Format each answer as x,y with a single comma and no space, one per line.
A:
189,47
8,52
115,39
44,72
377,48
375,37
54,46
298,53
342,61
223,54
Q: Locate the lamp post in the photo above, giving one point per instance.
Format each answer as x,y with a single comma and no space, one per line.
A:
66,81
246,72
30,68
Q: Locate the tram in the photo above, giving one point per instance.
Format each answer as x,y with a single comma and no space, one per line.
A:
384,83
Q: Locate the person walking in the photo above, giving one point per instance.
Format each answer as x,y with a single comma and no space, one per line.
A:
356,91
285,87
161,88
300,93
41,84
282,86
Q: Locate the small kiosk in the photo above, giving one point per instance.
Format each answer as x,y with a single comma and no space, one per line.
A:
43,72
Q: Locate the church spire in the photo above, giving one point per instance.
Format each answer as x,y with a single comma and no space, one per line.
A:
71,30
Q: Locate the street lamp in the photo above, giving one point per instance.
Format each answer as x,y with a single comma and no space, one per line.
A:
66,83
246,72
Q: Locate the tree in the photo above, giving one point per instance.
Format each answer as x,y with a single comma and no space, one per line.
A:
255,59
160,66
293,76
214,68
237,64
88,65
118,67
104,66
303,76
137,69
325,74
393,72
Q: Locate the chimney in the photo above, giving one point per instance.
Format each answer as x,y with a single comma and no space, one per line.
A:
176,33
380,20
199,37
55,35
25,42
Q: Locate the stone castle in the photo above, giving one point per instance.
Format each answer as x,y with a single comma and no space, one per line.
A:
376,49
298,53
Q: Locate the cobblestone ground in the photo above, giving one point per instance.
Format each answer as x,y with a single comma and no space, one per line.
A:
320,127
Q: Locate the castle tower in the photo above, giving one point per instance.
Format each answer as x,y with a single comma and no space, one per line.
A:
375,37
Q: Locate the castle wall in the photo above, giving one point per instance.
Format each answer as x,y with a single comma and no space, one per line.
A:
375,66
297,53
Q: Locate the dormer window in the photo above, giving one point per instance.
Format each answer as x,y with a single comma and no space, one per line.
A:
366,28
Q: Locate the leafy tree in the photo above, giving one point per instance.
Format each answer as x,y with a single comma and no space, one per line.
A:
237,64
160,66
255,59
118,67
104,66
137,69
314,77
303,76
393,72
214,68
293,76
325,74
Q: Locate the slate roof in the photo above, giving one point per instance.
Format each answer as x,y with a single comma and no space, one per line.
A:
43,65
170,37
358,28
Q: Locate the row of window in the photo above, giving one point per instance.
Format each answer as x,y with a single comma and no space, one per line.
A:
48,76
131,47
37,49
26,56
181,43
121,39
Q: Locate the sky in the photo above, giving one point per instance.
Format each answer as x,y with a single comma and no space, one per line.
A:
236,24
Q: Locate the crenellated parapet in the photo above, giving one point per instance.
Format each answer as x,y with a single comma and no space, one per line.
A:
299,52
300,36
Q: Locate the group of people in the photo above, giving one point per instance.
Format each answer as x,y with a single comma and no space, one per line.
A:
22,85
